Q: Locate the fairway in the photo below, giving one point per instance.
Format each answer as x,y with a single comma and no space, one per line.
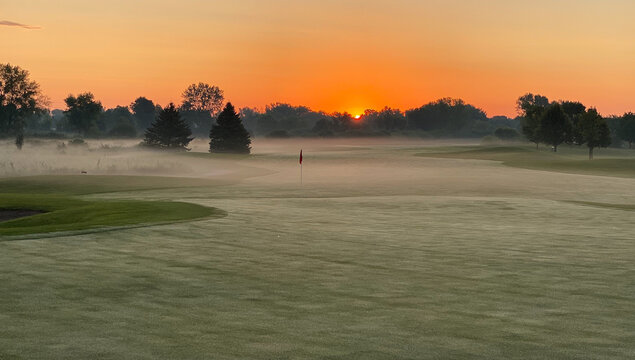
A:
390,249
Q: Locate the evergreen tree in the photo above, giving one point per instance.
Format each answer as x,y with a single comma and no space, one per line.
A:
228,135
169,131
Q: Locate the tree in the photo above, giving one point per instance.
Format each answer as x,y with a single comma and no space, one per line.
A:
83,112
118,122
203,97
574,110
201,102
386,120
20,98
593,130
555,127
144,111
169,131
228,135
445,117
626,128
531,107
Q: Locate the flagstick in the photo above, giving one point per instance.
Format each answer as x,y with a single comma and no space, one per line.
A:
300,174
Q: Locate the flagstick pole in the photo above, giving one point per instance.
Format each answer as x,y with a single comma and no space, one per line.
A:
300,174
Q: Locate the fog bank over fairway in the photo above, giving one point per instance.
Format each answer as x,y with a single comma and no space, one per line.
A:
380,254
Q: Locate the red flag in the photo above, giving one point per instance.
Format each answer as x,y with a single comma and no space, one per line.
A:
300,156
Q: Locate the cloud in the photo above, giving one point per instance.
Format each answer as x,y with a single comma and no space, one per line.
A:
11,23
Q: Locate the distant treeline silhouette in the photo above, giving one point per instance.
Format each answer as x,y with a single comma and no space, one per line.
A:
24,113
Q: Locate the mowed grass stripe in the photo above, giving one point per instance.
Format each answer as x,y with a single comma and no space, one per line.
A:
618,163
70,214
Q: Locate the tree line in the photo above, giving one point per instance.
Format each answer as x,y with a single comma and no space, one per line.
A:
571,122
23,110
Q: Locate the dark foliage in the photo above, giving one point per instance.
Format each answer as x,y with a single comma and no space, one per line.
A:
574,110
626,128
445,117
83,113
201,102
386,119
144,112
200,121
592,130
117,122
555,127
531,107
168,131
20,98
228,135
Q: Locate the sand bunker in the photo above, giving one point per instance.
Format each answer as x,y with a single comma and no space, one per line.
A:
6,215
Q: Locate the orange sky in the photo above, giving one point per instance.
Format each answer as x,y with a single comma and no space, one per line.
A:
332,55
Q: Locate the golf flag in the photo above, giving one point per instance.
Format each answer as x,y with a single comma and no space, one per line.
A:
300,156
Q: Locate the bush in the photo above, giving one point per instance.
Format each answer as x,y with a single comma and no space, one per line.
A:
77,142
507,134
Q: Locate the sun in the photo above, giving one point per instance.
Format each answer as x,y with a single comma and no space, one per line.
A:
357,117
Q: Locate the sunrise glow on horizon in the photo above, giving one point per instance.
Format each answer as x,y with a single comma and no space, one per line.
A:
344,56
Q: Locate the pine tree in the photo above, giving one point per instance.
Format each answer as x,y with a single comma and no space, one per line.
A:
169,131
228,135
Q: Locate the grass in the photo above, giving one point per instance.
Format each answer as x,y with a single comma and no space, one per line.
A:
92,184
57,195
469,260
619,163
625,207
64,213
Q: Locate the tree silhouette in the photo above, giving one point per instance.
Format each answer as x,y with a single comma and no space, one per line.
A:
144,111
83,112
626,129
555,127
574,110
228,135
20,98
203,97
592,130
531,107
169,131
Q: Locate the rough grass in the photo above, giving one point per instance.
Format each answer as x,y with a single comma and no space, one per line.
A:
611,162
64,213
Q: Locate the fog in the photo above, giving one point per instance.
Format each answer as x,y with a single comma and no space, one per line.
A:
333,167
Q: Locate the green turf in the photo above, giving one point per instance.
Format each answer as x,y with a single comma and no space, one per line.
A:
611,162
64,213
378,255
91,184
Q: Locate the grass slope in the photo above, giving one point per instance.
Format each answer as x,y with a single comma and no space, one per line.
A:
619,163
64,212
70,214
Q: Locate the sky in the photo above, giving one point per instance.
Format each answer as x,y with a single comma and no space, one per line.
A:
330,55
